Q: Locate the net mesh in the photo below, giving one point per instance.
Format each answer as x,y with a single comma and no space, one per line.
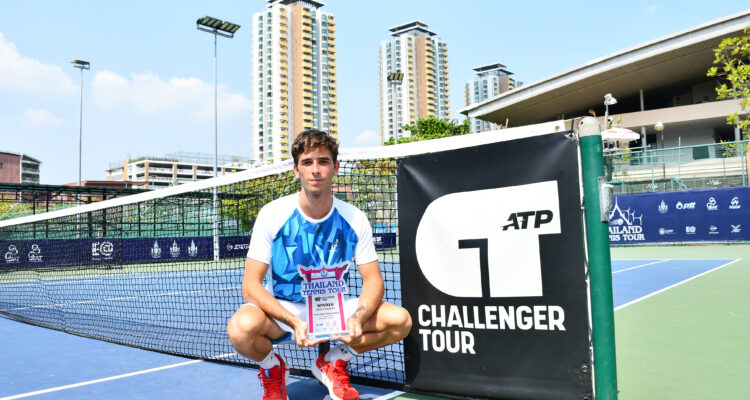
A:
144,274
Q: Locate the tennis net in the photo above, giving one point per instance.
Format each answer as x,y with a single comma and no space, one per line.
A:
162,270
142,271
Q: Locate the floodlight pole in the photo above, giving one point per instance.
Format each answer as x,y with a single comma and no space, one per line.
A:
80,64
600,262
213,26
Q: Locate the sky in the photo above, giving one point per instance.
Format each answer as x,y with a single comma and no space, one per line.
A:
150,87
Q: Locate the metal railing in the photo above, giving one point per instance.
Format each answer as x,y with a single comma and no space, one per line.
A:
644,169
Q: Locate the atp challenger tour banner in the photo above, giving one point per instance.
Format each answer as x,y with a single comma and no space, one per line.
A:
492,267
705,215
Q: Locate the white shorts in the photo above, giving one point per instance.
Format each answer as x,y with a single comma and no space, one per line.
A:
298,310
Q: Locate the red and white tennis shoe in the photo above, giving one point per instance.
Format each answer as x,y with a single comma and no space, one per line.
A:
335,376
273,381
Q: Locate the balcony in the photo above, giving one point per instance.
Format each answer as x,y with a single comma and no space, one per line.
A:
306,36
332,64
283,59
307,80
332,92
331,36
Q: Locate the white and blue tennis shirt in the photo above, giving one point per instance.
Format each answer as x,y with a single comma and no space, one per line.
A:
284,237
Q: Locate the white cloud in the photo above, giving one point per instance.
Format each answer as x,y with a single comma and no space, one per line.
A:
40,119
29,75
652,8
368,138
147,93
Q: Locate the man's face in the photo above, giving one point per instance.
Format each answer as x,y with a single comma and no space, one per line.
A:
315,170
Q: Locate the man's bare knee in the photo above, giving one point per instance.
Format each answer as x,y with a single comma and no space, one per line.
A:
245,324
402,324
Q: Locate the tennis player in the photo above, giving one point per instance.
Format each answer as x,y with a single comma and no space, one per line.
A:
311,228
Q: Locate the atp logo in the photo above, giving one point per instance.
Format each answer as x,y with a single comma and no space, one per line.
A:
485,243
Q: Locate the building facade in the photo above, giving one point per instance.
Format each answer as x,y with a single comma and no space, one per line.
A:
149,172
18,168
491,80
294,70
413,79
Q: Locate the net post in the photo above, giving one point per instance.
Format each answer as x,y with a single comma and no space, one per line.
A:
600,264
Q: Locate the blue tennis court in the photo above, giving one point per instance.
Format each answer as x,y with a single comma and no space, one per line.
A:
42,363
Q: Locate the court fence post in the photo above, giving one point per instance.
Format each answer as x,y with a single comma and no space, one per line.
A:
600,263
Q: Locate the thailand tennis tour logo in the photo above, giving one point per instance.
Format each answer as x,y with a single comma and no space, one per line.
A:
490,236
102,251
11,255
663,207
626,225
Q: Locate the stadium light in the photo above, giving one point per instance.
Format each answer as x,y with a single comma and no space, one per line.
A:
609,100
80,64
226,29
660,128
394,79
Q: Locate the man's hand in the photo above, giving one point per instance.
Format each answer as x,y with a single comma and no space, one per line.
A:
300,334
355,328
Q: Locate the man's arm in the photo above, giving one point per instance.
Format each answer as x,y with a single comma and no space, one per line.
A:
254,292
369,299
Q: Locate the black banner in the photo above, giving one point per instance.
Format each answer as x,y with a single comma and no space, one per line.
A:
491,252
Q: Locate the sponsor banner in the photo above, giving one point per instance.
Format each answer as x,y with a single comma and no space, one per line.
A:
48,253
233,246
384,240
686,216
491,252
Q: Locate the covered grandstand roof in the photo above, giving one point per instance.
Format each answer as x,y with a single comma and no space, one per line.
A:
671,60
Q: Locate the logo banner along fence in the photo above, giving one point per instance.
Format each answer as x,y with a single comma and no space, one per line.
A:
59,252
49,253
493,272
721,214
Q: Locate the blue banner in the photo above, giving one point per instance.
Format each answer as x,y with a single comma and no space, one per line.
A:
686,216
60,252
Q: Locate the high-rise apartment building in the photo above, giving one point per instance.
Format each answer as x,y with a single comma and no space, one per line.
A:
491,80
413,79
294,70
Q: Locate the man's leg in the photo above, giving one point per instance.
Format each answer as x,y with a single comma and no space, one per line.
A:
250,332
387,325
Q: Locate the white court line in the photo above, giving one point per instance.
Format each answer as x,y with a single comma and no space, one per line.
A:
639,266
111,378
671,286
383,397
123,298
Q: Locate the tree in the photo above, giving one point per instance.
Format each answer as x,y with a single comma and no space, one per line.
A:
732,67
432,128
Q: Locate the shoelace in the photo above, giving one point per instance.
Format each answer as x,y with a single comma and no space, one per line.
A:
341,374
272,384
